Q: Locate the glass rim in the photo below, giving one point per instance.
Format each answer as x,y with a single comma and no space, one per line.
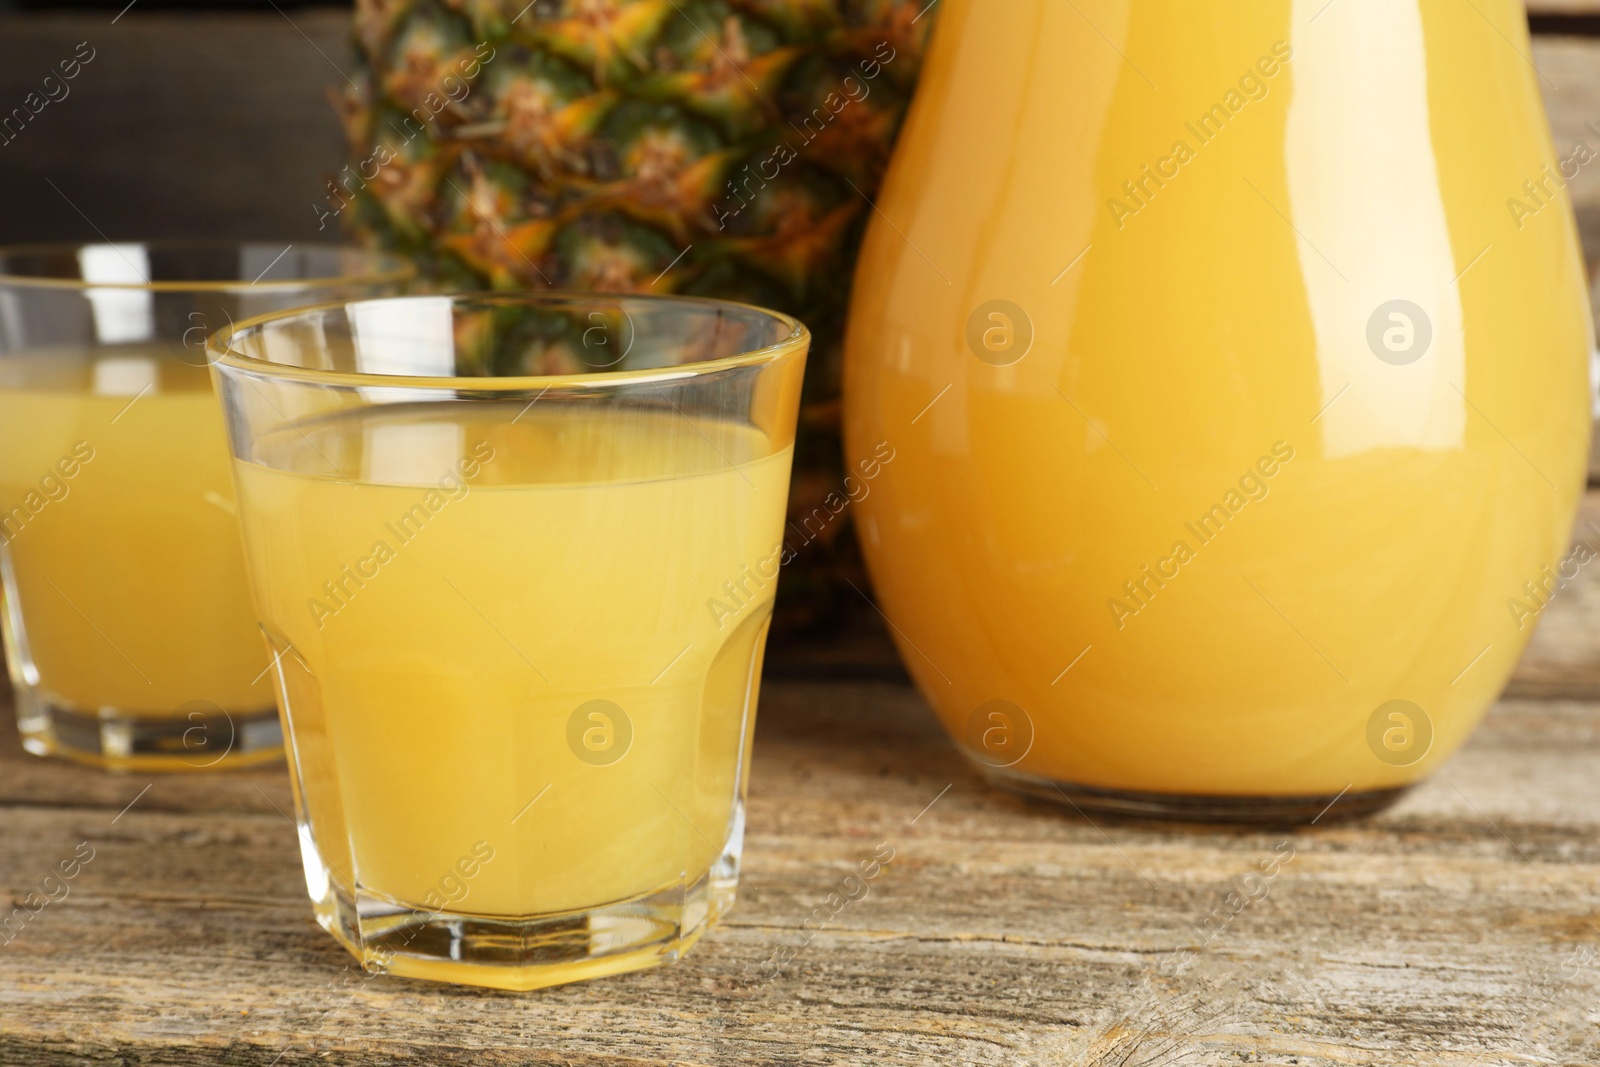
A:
389,268
220,353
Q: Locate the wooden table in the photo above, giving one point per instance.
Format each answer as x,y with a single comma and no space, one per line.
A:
1460,927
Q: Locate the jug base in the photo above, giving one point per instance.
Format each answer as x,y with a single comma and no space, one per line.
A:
1298,810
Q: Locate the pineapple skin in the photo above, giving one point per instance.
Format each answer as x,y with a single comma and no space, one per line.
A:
723,148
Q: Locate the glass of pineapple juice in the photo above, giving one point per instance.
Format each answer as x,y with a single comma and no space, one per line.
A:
129,637
515,555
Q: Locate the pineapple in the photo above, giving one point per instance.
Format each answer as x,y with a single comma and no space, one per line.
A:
725,148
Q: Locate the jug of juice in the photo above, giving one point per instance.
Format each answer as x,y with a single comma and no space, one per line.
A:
1233,362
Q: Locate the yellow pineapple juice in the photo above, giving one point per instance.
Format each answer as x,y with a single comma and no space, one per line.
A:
1197,502
452,593
118,533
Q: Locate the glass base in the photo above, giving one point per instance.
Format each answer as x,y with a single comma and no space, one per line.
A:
1187,807
525,952
207,738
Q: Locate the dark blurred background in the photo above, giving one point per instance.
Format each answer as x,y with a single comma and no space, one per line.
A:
115,6
193,118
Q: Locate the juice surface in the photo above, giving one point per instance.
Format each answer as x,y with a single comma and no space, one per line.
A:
117,529
505,569
1198,513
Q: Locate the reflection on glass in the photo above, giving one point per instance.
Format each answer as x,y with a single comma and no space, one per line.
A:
129,633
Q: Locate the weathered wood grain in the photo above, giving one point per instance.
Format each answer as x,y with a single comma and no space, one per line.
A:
1454,927
1563,7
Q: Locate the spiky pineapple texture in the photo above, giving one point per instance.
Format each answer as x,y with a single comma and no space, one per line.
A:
726,148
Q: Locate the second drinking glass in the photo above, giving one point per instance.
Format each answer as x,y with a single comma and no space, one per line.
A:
129,634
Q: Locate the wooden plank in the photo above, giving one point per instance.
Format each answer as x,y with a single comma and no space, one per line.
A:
1564,7
1452,927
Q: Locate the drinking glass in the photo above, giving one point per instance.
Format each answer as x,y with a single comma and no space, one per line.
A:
515,556
128,630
